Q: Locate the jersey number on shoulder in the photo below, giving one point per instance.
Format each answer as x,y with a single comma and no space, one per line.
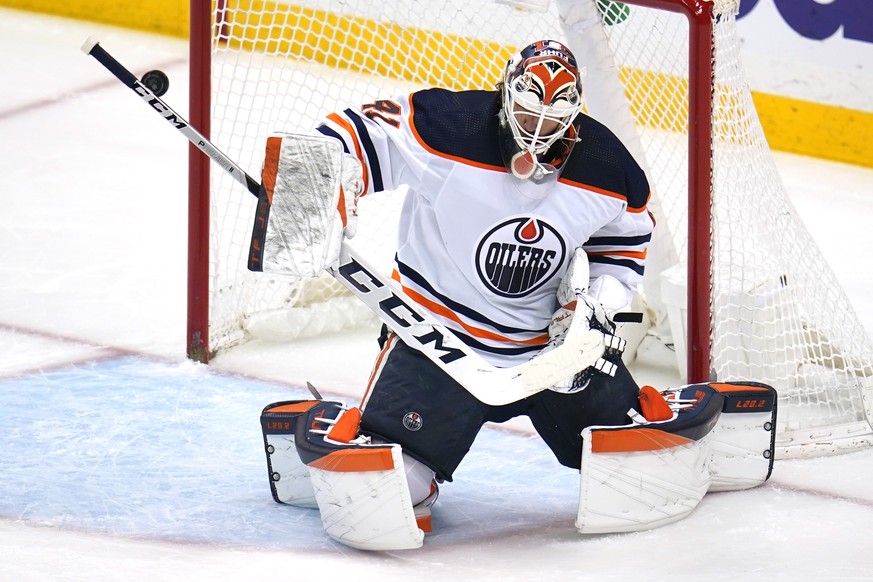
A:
384,110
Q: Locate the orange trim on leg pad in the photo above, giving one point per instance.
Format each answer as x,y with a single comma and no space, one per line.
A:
634,439
301,406
354,460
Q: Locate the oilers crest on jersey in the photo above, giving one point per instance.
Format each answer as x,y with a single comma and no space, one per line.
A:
519,255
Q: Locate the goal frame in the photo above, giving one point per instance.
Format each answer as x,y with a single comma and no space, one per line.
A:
200,115
701,47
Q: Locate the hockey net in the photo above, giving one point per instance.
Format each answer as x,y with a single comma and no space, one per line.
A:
765,307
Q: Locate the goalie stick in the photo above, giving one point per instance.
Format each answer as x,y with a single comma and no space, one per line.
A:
488,383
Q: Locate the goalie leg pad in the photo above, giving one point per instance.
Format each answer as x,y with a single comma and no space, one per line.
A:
360,488
744,439
289,476
641,476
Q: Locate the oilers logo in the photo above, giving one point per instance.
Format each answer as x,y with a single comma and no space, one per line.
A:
412,421
519,255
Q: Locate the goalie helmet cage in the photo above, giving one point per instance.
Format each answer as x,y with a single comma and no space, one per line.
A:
664,75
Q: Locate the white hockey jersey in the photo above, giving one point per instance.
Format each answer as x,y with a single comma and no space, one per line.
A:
481,250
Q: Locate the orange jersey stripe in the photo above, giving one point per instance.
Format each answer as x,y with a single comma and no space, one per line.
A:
440,309
609,193
641,255
389,343
351,131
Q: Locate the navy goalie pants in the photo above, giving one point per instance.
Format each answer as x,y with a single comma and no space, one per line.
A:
413,403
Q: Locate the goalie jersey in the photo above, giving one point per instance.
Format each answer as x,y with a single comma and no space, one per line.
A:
480,249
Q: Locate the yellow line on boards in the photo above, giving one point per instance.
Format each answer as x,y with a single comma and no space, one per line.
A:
424,57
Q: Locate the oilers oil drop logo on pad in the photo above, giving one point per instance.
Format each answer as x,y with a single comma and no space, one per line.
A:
412,421
519,255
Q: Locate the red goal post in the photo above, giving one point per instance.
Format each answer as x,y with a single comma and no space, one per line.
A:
733,280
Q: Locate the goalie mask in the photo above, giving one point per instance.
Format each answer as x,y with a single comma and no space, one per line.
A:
542,95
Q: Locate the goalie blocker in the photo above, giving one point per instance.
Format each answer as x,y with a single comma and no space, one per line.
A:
651,472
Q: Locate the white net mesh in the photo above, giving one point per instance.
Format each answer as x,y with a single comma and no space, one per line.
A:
779,312
778,315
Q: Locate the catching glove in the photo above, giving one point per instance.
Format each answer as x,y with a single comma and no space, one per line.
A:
579,311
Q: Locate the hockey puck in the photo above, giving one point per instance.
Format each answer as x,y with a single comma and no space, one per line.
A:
156,81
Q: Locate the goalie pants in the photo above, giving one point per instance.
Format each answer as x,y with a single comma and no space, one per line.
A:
413,403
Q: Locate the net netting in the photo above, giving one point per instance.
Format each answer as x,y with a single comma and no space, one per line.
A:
778,314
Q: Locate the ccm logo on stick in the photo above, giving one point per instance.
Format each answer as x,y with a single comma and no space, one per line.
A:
158,106
392,305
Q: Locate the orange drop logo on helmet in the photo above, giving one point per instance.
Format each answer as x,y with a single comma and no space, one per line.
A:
519,255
